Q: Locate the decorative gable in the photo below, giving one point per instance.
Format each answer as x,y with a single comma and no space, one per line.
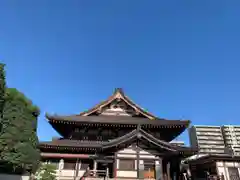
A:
119,108
118,105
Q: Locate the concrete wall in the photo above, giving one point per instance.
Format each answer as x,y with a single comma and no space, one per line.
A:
13,177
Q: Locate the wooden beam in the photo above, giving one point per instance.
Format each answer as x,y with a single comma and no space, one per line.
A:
60,155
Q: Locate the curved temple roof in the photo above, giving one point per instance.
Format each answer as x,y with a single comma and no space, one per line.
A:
116,120
121,142
140,134
59,123
99,116
204,158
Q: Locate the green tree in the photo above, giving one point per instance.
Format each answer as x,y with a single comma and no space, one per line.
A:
18,140
2,91
46,172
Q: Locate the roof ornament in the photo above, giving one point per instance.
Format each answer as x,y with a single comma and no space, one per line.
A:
118,90
100,110
137,112
138,127
139,135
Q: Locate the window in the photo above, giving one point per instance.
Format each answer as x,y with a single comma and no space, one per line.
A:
85,164
127,164
69,165
233,173
149,164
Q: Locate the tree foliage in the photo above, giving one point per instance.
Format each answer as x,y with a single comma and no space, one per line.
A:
46,172
2,91
18,140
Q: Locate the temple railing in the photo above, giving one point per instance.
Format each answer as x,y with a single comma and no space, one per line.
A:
234,177
215,177
210,177
98,178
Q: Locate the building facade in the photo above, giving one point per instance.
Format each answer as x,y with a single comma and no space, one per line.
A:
218,148
118,139
215,139
208,139
231,136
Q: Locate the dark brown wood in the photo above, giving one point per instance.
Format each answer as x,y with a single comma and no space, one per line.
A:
160,128
66,125
138,135
115,165
168,171
120,120
138,160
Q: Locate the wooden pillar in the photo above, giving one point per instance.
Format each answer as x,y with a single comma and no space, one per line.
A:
164,169
168,171
189,171
115,165
94,168
107,173
138,161
141,169
76,169
159,169
174,168
177,169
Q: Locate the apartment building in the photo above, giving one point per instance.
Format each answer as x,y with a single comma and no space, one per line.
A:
208,139
231,136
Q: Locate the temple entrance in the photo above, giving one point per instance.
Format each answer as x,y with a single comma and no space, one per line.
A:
86,163
101,169
149,169
111,170
104,167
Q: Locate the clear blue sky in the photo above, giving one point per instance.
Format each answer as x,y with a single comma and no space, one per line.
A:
178,59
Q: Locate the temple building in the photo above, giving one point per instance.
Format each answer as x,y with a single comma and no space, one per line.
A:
117,139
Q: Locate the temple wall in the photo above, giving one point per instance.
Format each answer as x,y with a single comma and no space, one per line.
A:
127,150
131,153
136,157
126,155
130,174
222,168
